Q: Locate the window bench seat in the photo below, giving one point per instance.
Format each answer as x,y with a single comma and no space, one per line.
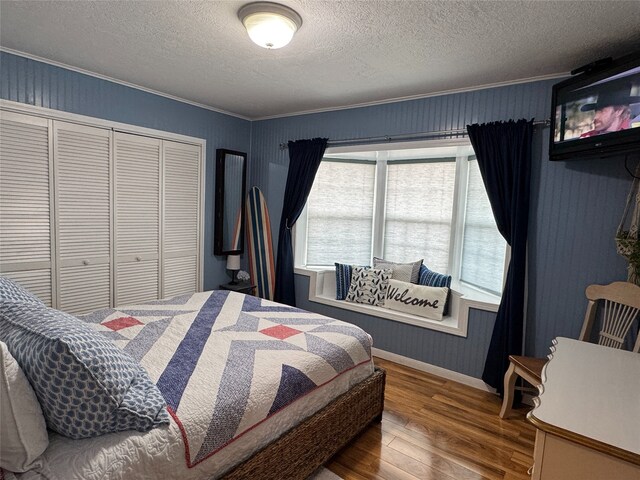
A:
322,289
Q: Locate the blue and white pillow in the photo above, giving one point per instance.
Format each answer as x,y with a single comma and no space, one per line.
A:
434,279
86,386
12,292
369,285
343,280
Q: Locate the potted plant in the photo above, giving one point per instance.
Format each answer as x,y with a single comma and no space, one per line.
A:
628,241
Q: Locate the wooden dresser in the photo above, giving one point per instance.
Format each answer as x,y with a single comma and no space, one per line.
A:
588,414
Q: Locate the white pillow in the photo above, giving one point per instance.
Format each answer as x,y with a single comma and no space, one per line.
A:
405,272
24,432
416,299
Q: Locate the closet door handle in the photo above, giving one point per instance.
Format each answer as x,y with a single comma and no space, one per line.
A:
85,262
138,259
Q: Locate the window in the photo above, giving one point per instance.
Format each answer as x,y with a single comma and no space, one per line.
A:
419,210
340,213
483,248
424,200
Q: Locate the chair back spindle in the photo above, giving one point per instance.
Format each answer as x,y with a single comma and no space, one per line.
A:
620,308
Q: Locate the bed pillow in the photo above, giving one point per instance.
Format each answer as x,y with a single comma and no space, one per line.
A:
12,292
416,299
405,272
368,285
86,385
24,432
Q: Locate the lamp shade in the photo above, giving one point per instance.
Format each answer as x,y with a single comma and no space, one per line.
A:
269,25
233,262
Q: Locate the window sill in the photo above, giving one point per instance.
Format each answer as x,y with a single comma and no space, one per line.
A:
322,289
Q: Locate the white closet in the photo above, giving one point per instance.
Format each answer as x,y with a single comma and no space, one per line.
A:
137,218
181,194
26,250
91,217
81,161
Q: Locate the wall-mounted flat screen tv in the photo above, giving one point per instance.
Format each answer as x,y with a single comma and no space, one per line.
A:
597,113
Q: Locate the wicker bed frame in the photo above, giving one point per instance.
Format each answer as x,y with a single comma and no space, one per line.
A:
304,448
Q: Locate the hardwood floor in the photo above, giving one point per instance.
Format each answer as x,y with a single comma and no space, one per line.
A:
433,428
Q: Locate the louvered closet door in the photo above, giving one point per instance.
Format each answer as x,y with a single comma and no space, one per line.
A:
137,200
181,218
83,203
25,215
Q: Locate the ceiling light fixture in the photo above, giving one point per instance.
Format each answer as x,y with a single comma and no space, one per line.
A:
269,25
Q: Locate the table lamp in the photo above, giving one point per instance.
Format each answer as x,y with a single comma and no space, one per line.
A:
233,264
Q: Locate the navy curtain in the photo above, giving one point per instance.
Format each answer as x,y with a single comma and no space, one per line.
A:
503,150
304,159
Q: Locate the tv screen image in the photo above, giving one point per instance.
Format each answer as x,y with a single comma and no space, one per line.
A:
603,107
597,113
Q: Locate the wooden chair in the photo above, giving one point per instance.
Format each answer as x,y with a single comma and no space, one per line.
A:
620,307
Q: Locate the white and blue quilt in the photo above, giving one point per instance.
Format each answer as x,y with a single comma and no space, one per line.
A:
225,362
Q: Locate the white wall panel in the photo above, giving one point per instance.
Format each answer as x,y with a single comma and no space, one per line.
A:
83,211
137,194
181,218
25,214
137,282
85,288
137,218
179,277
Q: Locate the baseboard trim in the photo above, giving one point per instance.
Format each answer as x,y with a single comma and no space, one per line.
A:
433,369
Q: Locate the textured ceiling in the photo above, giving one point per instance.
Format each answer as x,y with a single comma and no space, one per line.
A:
346,53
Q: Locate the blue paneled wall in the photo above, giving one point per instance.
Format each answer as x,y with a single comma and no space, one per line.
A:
460,354
27,81
575,207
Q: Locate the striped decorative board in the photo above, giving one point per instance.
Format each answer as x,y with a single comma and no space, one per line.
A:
259,244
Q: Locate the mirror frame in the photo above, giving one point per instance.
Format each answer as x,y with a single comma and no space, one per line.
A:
218,243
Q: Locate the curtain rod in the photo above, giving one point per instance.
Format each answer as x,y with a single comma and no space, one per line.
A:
407,136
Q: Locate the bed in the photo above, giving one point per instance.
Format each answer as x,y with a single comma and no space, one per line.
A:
255,389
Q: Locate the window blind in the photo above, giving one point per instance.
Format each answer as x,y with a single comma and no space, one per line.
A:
340,214
418,212
483,248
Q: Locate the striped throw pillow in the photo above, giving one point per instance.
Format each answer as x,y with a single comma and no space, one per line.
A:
343,280
434,279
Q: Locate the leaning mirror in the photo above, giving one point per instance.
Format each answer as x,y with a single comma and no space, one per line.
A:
231,171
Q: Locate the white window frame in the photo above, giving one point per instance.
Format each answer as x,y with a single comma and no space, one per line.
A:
457,219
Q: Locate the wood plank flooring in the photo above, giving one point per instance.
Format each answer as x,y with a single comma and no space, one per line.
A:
433,428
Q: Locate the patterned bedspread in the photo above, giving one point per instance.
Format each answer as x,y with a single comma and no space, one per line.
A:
225,362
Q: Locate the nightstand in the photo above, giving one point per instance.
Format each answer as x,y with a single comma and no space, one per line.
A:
240,287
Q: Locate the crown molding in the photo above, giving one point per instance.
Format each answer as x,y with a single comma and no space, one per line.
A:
120,82
552,76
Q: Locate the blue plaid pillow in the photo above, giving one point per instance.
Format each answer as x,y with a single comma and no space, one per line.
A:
86,385
434,279
11,292
343,280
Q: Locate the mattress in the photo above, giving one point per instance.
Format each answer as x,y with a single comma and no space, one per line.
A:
323,358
